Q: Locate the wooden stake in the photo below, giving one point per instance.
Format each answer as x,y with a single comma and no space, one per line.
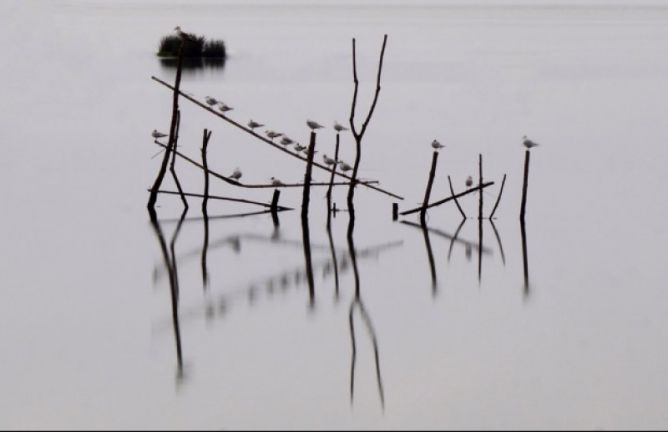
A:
525,186
427,193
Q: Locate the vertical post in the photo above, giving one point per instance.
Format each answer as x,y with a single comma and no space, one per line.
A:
205,143
525,186
480,184
395,211
306,196
331,182
172,129
430,182
172,167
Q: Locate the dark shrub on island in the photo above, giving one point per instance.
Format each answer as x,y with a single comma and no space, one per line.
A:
196,47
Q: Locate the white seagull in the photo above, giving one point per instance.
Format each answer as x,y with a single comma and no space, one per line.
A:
286,141
276,182
224,108
437,145
183,35
338,127
314,125
528,143
344,166
236,175
155,134
298,147
469,181
253,124
328,160
271,134
211,101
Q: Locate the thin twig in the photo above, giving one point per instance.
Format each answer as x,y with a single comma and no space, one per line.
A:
452,191
216,197
437,203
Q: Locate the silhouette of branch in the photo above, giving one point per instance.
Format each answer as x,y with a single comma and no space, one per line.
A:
525,185
498,240
443,201
452,192
222,198
331,182
498,199
427,193
370,185
455,237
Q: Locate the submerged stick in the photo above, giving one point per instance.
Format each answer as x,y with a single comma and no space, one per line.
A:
430,256
525,256
452,191
480,183
331,182
427,193
222,198
153,197
205,143
498,199
369,185
525,186
443,201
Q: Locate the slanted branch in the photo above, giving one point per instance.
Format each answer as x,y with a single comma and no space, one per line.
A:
452,192
369,185
443,201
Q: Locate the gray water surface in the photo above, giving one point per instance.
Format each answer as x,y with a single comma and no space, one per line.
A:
86,317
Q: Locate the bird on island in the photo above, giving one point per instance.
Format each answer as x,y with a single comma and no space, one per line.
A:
469,181
155,134
183,35
339,128
271,134
436,145
253,124
328,160
211,101
344,166
224,108
298,147
276,182
286,141
236,175
314,125
528,143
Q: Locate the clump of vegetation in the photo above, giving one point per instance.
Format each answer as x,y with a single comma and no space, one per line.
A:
196,47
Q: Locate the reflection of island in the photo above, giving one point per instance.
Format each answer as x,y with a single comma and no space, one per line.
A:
194,64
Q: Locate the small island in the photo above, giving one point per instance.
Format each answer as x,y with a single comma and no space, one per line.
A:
195,47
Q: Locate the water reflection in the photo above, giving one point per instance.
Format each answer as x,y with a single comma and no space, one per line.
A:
525,260
193,65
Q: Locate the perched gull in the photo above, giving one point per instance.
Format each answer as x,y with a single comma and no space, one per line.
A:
224,108
437,145
253,124
183,35
469,181
276,182
338,127
271,134
313,125
307,152
344,166
286,141
236,175
298,147
155,134
528,143
211,101
328,160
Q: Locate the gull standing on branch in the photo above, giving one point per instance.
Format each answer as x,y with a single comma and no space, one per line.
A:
286,141
328,160
339,128
344,166
224,108
271,134
236,175
469,181
155,134
211,101
528,143
436,145
276,182
253,124
314,125
298,147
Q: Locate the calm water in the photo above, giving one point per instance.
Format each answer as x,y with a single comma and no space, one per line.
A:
86,317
